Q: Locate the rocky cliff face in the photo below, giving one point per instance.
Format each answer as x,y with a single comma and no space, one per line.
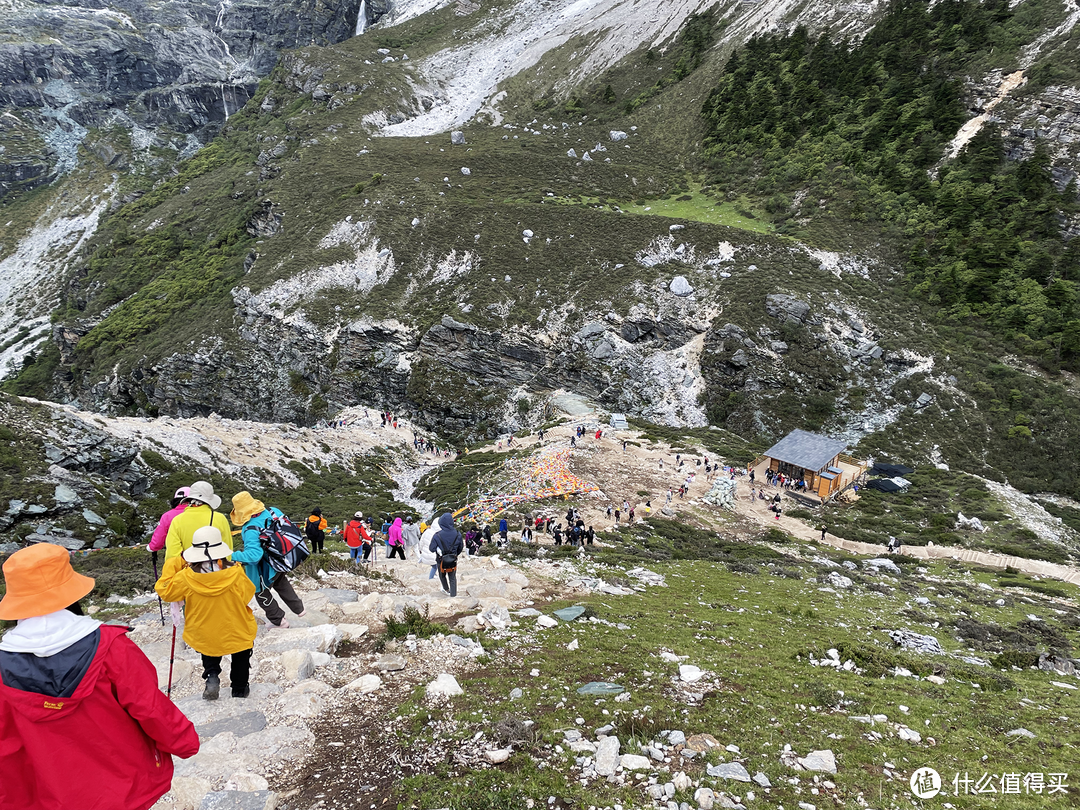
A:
161,75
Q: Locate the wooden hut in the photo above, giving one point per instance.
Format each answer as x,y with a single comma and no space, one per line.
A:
817,460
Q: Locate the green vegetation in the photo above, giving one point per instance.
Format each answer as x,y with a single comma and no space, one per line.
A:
753,634
864,126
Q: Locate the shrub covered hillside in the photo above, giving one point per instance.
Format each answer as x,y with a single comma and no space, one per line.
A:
840,131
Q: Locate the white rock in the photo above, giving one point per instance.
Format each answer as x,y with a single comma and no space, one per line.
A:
617,135
546,621
446,684
607,756
635,762
465,170
365,684
705,798
573,645
297,664
688,673
497,756
908,735
680,286
681,781
246,782
838,580
819,761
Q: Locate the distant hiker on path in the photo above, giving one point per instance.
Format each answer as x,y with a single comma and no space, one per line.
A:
824,529
253,517
218,619
357,538
447,545
315,530
82,721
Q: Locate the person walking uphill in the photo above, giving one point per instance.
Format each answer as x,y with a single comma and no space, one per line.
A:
252,516
219,621
315,530
395,540
82,721
202,504
447,545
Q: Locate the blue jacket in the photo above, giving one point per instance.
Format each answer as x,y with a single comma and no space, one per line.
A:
252,555
448,539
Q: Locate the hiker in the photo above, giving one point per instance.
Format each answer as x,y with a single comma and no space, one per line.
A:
427,557
179,504
82,721
252,516
590,535
823,530
751,478
558,534
573,442
410,533
357,538
473,541
201,505
630,513
447,545
894,545
219,621
395,541
617,515
526,531
315,530
599,433
504,529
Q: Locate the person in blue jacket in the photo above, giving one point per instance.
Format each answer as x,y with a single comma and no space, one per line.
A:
447,544
252,517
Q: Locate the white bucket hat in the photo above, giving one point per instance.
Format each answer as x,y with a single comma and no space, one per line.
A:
206,546
203,492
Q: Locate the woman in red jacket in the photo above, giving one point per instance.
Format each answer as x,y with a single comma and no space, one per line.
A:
82,721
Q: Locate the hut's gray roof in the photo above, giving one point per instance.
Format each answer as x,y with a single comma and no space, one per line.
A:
806,450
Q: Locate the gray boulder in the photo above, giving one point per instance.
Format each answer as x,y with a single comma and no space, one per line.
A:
786,308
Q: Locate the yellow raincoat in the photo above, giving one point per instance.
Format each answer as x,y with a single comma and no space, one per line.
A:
217,620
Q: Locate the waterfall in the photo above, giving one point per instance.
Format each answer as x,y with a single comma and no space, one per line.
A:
224,103
361,18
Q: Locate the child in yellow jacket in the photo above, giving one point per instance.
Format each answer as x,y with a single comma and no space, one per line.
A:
218,620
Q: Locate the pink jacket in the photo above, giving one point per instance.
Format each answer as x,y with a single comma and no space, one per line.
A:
393,535
157,542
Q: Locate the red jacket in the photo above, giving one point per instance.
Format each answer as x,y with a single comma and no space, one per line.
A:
356,535
106,747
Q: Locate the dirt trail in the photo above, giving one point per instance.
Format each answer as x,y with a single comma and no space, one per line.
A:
653,468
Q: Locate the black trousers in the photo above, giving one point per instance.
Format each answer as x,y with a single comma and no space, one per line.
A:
284,588
239,674
396,550
316,544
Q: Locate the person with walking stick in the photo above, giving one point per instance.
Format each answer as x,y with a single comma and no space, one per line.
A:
157,543
82,721
219,621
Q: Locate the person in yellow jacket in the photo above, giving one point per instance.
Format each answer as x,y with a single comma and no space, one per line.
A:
218,619
201,511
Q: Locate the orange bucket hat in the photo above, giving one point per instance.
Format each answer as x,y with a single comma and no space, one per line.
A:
40,580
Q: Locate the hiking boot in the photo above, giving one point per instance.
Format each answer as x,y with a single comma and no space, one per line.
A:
213,686
243,692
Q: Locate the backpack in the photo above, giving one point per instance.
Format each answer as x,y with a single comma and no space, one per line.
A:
284,544
312,530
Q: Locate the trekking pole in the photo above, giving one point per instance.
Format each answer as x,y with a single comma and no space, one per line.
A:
160,607
172,657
